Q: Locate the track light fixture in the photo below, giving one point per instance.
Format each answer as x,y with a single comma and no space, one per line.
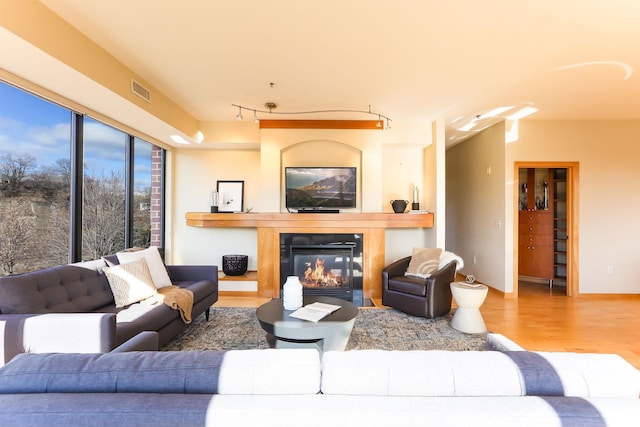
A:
270,106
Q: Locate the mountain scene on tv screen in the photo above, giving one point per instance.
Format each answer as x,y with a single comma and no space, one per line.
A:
336,191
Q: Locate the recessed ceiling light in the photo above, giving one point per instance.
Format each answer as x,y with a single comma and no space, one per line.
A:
179,139
199,138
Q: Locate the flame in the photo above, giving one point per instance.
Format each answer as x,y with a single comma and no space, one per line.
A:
317,276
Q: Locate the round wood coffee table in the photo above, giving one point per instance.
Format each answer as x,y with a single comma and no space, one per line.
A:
330,333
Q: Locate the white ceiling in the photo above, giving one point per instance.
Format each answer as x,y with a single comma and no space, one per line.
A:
411,60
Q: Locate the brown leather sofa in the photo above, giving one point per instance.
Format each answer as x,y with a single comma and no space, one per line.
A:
429,297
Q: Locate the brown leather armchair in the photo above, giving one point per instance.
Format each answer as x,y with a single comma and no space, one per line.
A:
429,297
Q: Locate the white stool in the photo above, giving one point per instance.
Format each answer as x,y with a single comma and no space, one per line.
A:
469,298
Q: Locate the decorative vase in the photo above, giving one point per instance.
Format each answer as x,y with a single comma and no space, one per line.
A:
292,293
399,206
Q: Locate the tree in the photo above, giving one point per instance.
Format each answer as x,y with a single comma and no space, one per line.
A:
103,215
18,236
58,240
14,170
142,218
56,235
63,170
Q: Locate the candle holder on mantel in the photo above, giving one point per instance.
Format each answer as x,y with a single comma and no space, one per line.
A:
415,205
214,201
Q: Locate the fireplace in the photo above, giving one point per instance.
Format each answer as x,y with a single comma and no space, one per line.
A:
323,269
326,264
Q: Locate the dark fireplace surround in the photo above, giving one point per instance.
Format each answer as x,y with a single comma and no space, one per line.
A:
326,264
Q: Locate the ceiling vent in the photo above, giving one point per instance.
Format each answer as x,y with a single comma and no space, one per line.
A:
140,90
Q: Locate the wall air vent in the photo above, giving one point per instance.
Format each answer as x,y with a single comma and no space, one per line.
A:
140,90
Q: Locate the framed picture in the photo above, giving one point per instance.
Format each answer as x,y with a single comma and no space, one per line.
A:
230,196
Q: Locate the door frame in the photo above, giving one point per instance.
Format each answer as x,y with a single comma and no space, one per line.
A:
573,175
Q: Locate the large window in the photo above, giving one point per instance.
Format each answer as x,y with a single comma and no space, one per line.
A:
34,194
103,207
39,210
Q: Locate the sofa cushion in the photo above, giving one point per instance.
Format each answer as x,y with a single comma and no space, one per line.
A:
63,289
424,261
270,371
109,409
576,374
478,373
156,266
420,373
201,289
133,372
130,282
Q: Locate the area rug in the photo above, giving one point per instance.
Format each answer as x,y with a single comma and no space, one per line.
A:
237,328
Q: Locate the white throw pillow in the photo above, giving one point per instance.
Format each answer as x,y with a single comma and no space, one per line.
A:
424,261
130,283
156,266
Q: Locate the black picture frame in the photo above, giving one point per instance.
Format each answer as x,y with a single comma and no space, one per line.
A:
230,196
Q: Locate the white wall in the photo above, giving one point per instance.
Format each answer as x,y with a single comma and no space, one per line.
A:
475,205
195,174
402,169
275,141
607,153
388,171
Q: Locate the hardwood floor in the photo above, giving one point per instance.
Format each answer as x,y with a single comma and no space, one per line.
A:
546,319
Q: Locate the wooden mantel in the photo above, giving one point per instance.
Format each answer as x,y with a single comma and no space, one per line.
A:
371,225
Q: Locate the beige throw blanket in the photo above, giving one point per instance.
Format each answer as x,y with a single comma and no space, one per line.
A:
178,299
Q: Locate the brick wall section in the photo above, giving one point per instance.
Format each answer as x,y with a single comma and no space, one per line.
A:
156,195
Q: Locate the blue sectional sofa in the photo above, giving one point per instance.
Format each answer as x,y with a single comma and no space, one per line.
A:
299,387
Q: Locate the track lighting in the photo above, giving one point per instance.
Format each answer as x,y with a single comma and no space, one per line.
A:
270,106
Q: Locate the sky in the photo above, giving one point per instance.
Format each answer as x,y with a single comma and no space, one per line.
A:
31,125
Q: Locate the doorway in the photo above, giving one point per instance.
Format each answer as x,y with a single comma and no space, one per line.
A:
559,216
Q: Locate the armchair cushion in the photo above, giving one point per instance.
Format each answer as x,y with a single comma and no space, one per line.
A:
424,261
408,285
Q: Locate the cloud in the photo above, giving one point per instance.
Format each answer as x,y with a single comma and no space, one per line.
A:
104,146
45,143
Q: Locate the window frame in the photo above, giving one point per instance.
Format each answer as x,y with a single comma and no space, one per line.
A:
77,115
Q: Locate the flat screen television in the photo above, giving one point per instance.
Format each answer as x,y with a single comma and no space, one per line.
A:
320,187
